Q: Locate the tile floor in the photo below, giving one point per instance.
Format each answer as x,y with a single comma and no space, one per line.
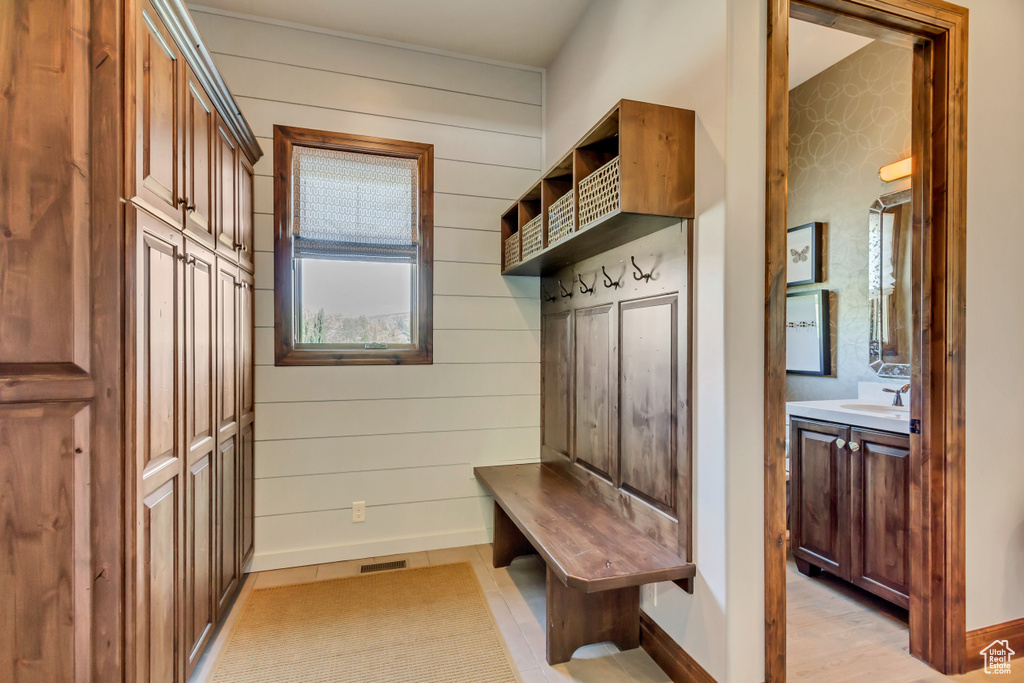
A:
516,596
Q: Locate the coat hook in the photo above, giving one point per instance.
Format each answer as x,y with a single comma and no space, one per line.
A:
544,294
564,293
608,281
646,277
583,285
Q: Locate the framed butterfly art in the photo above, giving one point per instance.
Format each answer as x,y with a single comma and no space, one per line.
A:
803,251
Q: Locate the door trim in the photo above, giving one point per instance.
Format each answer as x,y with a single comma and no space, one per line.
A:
938,33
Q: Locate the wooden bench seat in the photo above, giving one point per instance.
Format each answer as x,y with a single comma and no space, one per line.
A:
596,560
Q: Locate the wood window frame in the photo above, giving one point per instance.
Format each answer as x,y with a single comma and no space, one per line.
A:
286,351
937,32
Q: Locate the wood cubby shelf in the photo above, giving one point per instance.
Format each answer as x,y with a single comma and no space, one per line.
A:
648,188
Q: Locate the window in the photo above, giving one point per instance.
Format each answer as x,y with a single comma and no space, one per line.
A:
352,249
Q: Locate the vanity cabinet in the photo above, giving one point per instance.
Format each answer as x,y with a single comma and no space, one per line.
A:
849,507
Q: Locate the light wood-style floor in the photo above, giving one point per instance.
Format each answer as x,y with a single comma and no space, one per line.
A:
516,596
838,632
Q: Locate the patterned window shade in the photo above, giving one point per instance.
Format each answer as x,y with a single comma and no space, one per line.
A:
354,207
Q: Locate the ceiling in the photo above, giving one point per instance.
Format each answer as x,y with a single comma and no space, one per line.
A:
529,32
814,48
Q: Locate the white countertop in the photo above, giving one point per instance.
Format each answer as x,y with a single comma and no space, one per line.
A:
855,412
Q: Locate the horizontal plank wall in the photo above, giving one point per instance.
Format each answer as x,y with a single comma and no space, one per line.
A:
403,439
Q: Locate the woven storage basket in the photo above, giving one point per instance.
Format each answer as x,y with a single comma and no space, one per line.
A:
599,193
533,237
561,216
512,250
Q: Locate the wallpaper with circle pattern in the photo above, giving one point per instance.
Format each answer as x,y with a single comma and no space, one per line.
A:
845,124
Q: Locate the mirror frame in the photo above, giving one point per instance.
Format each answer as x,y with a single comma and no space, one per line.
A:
875,357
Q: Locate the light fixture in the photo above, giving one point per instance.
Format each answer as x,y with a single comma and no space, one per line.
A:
900,169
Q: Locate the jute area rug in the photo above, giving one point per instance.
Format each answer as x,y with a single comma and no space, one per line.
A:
423,625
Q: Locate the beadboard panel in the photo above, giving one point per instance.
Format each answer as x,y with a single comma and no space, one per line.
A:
294,384
450,142
402,438
347,93
383,452
249,38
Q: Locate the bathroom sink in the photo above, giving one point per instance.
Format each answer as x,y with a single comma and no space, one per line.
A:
884,411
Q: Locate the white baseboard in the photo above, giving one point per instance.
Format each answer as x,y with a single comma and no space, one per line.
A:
359,551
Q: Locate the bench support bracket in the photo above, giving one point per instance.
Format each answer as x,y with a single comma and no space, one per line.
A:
576,618
509,541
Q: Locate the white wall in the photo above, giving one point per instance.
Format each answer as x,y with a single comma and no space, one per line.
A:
404,439
995,316
703,56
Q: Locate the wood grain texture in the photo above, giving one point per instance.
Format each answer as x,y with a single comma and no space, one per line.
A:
556,382
587,545
575,618
509,541
669,655
938,31
979,639
199,132
820,504
595,385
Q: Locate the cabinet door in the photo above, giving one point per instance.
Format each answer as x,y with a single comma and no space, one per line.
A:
199,131
245,214
226,477
158,128
246,504
200,440
227,349
819,482
879,486
556,381
246,411
226,202
159,450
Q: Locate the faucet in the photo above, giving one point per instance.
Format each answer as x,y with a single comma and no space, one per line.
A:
897,400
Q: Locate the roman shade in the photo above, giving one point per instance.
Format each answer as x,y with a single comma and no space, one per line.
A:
348,206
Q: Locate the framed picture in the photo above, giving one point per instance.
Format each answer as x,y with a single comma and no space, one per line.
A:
804,254
808,341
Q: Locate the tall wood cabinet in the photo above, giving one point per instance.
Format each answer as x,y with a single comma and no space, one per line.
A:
126,313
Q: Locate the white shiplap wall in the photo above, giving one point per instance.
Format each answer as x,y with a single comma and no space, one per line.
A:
404,439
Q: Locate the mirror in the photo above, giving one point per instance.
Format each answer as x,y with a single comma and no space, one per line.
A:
890,285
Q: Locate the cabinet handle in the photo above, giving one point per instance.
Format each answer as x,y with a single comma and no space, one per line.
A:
181,201
191,260
840,443
190,208
854,446
181,257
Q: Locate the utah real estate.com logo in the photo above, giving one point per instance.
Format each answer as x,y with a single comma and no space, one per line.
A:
997,657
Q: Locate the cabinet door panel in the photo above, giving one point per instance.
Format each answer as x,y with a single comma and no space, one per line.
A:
159,78
880,479
820,504
159,250
245,214
245,351
226,205
199,129
647,399
556,361
227,348
199,503
200,337
161,582
226,477
594,356
247,503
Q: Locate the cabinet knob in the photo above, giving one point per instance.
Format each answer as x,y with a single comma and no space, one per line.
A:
854,446
190,208
840,443
181,202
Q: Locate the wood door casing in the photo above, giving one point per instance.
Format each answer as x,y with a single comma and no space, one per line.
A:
556,361
159,76
199,126
819,495
879,501
648,331
595,382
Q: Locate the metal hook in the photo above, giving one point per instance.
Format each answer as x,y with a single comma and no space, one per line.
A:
646,277
564,293
583,286
608,281
544,294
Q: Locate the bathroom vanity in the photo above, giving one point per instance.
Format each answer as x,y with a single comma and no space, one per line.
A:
849,507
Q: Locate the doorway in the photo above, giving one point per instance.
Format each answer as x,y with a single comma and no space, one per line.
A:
937,34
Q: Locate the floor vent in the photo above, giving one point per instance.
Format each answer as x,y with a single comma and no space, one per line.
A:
381,566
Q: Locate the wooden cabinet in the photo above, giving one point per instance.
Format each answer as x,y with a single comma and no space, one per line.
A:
226,188
199,126
849,506
246,254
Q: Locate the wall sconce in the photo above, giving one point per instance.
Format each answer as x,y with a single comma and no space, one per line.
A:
901,169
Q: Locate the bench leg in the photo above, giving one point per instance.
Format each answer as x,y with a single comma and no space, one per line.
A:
509,542
576,619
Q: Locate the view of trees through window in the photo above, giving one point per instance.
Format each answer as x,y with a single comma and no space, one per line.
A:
355,302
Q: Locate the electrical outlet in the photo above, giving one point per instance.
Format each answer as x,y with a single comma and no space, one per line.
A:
359,511
651,595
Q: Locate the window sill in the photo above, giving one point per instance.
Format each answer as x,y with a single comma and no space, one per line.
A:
305,357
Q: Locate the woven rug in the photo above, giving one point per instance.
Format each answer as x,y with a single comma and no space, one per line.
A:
423,625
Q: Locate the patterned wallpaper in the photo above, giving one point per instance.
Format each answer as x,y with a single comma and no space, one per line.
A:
845,124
